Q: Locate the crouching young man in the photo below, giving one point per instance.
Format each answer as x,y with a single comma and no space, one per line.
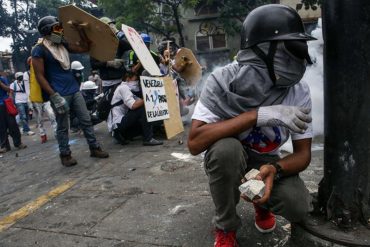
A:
246,111
127,116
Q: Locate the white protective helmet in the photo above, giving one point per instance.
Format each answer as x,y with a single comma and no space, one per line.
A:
76,65
18,74
88,85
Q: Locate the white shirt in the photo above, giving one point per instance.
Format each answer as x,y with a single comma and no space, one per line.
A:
266,139
116,114
133,85
21,90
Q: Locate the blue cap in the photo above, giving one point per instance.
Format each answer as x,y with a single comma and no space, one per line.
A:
145,37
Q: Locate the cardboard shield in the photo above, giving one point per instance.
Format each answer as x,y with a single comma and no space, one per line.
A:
104,41
173,125
141,50
188,66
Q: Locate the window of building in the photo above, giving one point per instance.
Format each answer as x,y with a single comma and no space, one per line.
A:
209,37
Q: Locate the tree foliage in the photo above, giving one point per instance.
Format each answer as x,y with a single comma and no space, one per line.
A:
233,12
157,16
163,16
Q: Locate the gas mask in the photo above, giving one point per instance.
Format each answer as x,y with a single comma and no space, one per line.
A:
79,75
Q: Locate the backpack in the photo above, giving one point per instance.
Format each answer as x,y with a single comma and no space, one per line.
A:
104,105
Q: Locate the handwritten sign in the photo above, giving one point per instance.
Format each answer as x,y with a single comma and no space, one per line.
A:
155,99
141,50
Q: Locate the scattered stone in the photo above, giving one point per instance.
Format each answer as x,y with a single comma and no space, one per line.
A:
287,227
251,174
252,189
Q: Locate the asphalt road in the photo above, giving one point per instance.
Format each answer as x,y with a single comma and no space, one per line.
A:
141,196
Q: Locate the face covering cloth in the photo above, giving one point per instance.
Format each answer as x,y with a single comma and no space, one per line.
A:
246,85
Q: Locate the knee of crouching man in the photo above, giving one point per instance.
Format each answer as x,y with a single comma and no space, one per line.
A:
224,154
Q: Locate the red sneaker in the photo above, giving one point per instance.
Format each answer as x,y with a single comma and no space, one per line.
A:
44,138
225,239
264,219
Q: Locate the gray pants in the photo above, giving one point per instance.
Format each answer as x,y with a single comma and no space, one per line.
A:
39,108
226,162
76,103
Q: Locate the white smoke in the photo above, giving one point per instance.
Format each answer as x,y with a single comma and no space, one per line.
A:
314,76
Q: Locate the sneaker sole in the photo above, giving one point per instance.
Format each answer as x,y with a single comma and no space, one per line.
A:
264,230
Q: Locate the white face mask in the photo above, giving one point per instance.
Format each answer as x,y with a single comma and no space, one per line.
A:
56,38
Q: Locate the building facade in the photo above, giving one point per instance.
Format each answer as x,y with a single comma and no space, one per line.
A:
205,35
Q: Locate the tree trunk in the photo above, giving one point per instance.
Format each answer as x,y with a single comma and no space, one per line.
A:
178,25
344,192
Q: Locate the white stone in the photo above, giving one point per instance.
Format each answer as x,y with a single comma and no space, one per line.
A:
251,174
252,188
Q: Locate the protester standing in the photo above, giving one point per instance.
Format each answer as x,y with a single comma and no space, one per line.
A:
50,59
8,123
38,104
20,92
111,72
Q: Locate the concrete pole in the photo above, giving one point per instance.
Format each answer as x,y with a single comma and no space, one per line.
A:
344,193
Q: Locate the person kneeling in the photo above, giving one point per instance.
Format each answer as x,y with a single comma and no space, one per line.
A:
128,113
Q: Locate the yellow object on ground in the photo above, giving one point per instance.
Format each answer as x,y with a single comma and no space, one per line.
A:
31,207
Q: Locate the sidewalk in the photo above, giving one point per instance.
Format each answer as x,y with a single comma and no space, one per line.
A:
140,196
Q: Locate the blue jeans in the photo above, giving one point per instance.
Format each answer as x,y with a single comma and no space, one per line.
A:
23,115
76,103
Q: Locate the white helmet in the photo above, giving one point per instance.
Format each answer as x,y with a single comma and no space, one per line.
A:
88,85
18,74
76,65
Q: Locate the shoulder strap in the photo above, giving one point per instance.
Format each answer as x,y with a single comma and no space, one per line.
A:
117,103
14,90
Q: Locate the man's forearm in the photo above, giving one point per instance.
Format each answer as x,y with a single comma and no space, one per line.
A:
300,158
202,136
44,84
85,42
82,46
38,66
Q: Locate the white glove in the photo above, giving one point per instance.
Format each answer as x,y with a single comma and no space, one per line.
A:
292,117
116,63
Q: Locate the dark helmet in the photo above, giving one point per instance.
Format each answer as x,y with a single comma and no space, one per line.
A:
272,22
46,23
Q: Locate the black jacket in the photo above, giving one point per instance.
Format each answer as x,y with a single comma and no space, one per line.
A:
108,73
